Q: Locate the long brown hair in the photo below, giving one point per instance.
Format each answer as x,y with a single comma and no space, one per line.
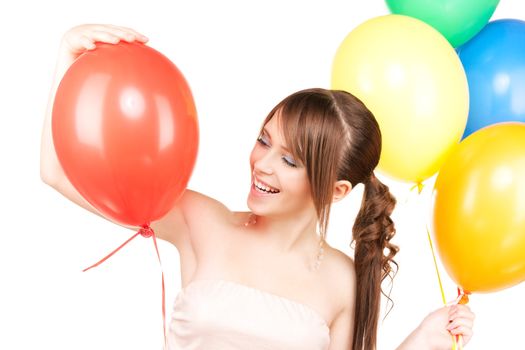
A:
336,137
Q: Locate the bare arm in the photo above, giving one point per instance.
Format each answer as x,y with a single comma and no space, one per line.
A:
175,226
74,42
341,330
342,327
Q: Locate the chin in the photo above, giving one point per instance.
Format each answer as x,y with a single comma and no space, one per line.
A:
260,209
253,207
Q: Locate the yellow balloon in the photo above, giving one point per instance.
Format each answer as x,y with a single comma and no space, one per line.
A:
479,209
412,80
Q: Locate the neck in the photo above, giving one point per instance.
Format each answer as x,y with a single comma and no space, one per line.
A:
288,233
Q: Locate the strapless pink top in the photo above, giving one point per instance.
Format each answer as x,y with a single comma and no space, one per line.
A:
223,315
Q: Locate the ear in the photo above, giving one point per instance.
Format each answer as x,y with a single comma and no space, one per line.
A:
341,189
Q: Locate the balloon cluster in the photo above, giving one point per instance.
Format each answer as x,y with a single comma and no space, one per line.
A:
448,90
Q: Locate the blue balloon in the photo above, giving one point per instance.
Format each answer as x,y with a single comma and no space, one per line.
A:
494,62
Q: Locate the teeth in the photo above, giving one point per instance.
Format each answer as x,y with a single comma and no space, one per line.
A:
264,188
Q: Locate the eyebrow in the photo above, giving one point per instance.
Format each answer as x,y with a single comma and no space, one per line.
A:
265,131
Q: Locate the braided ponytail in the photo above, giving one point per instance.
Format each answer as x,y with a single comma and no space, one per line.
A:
373,229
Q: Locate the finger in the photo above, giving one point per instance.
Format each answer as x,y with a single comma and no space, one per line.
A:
105,37
137,34
466,332
87,43
465,310
130,32
460,322
452,310
466,337
122,33
459,308
461,311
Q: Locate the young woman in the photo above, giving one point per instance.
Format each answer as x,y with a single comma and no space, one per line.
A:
266,279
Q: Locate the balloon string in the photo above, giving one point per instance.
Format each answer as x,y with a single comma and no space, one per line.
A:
454,347
163,293
462,299
113,252
419,187
146,232
436,266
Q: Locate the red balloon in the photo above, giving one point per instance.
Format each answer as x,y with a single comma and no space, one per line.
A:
125,131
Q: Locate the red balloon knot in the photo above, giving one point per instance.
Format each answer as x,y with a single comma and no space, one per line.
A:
146,231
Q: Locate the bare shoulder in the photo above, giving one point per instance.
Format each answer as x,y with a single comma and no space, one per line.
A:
340,265
187,217
199,208
340,276
341,282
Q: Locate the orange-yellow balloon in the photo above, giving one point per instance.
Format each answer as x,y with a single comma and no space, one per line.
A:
412,80
479,209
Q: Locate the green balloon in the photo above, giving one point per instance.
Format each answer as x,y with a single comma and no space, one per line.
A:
457,20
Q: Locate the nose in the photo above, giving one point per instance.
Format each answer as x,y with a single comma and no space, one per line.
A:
263,165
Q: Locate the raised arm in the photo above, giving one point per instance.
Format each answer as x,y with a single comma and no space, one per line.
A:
188,212
74,42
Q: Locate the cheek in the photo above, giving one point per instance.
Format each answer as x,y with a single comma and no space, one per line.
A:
305,187
299,184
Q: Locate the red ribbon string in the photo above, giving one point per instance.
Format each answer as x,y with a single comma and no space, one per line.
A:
163,290
464,296
146,232
462,300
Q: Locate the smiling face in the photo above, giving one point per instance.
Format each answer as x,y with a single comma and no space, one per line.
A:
280,185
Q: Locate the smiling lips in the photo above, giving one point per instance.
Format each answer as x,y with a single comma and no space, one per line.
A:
264,188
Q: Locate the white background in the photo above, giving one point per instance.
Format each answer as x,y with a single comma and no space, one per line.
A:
240,58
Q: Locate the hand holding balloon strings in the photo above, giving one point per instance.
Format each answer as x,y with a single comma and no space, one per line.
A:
462,299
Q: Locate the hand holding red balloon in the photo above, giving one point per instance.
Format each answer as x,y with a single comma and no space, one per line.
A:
124,125
82,38
124,128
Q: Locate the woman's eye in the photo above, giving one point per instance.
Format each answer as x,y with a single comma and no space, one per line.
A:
289,161
262,141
